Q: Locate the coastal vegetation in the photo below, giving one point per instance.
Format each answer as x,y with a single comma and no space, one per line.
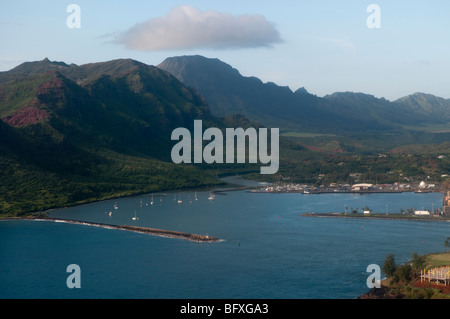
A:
28,188
404,281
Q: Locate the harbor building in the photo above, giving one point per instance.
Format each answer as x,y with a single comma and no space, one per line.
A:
446,205
362,187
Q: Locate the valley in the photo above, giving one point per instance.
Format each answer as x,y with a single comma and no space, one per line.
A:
74,134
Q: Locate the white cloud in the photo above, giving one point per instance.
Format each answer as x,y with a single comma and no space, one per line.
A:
186,27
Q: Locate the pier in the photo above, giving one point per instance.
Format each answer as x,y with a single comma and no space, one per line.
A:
440,275
392,216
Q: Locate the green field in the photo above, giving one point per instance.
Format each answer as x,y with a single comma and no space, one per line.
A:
438,260
430,128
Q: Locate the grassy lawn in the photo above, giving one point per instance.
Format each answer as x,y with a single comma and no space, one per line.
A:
438,260
413,287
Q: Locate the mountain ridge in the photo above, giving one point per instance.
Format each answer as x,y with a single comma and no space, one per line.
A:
227,91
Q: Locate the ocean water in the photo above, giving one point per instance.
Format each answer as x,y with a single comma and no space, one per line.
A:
268,250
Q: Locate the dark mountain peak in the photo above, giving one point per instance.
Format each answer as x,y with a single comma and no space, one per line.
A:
348,93
58,63
355,96
114,66
81,74
182,66
419,93
420,96
275,87
28,68
426,104
193,59
423,94
197,62
301,91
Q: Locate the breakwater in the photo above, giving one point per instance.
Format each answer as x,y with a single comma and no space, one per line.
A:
379,216
137,229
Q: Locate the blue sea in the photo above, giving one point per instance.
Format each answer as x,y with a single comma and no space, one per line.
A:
268,250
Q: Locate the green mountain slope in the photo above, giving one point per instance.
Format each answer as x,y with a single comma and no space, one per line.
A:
227,92
344,121
431,108
74,134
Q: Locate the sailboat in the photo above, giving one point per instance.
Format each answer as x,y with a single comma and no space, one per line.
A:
211,197
135,217
151,203
115,206
196,196
179,199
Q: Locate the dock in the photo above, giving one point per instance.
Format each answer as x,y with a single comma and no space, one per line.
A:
439,275
392,216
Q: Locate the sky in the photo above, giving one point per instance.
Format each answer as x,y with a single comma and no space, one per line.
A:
389,50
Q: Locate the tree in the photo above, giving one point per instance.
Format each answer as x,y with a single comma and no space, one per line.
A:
404,272
389,266
417,262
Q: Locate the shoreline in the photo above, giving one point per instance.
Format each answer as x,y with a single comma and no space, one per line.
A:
217,189
318,192
378,216
137,229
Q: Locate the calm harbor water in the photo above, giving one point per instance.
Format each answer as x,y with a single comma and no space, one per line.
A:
269,250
